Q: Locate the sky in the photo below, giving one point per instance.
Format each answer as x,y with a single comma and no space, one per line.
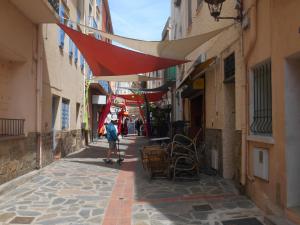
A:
139,19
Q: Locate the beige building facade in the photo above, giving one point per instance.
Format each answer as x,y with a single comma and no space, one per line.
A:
213,107
41,85
250,123
272,50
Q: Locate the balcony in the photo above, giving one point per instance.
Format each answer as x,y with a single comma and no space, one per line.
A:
38,11
11,127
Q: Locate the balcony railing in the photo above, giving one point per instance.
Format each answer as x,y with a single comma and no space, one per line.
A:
54,4
11,127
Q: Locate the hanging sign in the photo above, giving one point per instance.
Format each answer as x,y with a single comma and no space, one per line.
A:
198,84
99,99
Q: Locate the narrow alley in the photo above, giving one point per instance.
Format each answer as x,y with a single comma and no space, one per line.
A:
201,97
82,189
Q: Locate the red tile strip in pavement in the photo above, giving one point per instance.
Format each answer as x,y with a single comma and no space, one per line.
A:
121,201
184,198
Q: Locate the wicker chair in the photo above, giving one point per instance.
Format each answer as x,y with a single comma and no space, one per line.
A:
184,160
155,161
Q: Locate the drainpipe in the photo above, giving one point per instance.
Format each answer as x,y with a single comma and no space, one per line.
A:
39,93
245,151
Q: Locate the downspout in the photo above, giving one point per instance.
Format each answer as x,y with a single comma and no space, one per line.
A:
39,93
245,151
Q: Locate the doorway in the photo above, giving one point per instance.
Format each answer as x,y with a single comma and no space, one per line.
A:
197,115
292,127
229,132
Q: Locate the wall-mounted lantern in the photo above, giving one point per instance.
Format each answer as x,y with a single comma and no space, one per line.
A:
215,8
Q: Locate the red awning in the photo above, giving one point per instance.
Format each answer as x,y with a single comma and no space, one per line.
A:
106,59
151,97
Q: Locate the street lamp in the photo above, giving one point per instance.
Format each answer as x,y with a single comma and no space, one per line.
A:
215,8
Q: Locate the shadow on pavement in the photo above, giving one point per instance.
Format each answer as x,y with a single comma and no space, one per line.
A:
210,200
96,152
160,201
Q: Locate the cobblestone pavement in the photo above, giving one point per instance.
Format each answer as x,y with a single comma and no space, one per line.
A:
75,190
81,189
209,201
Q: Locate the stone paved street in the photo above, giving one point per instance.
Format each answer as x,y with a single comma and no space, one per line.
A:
81,189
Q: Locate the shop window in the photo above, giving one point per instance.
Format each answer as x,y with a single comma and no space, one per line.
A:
261,102
229,69
65,114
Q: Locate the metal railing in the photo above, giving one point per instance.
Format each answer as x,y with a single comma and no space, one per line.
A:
262,99
11,127
55,5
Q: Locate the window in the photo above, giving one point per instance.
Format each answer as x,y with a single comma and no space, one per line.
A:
189,12
177,3
65,114
229,68
199,3
261,100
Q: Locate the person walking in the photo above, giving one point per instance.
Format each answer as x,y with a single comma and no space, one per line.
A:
112,137
138,127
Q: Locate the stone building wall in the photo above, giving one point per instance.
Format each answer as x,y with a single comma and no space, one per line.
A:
47,152
17,156
68,142
237,157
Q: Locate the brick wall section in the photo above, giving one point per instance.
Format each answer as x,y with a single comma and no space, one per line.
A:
17,156
213,140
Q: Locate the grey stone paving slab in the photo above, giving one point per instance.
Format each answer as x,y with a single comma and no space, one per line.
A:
22,220
4,217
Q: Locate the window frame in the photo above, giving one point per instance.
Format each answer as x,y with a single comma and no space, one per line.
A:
254,99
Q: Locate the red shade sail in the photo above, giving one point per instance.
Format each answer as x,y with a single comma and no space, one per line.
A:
106,59
151,97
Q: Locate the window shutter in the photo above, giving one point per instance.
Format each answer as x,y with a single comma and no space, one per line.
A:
65,114
81,62
71,44
75,54
61,33
89,74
